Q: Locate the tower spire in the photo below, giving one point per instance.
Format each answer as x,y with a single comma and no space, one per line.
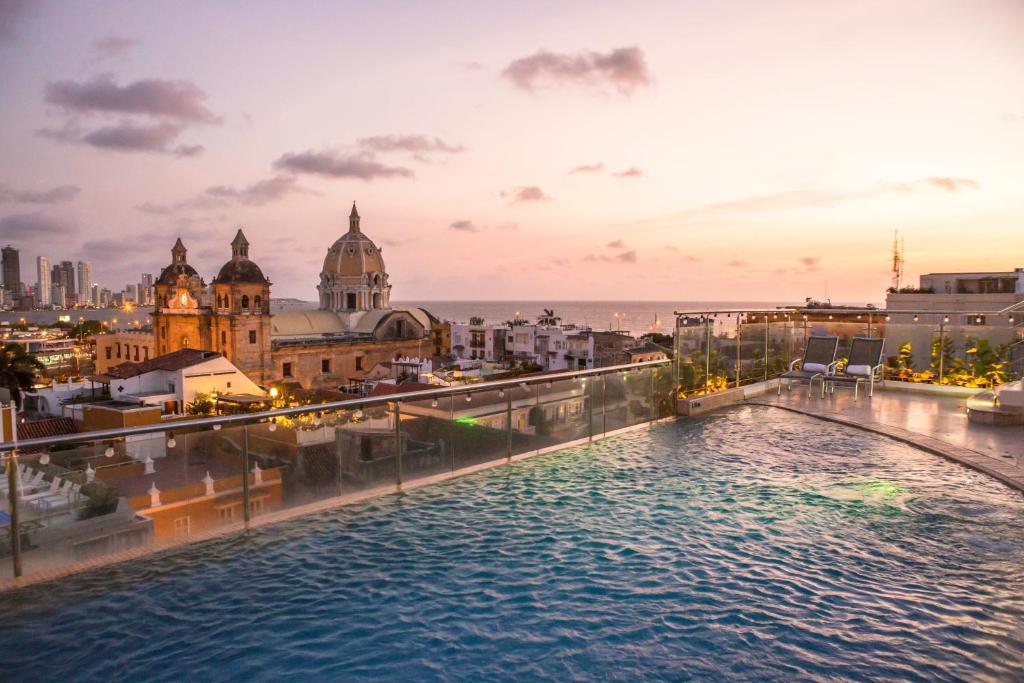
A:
239,246
178,252
353,219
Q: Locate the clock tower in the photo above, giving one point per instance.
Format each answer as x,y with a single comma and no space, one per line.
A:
180,318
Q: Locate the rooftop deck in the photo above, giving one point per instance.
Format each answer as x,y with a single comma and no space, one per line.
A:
935,423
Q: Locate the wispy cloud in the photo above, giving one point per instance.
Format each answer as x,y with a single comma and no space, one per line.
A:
179,100
623,69
588,168
335,164
616,244
810,262
464,226
953,184
737,263
632,172
623,257
55,195
528,193
34,226
1013,118
413,144
113,47
259,193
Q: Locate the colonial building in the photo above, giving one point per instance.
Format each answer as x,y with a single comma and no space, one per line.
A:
354,329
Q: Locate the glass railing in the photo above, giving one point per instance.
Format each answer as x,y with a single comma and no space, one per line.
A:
719,350
82,500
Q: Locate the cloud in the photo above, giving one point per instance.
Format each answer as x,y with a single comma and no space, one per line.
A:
259,193
472,66
464,226
332,164
626,257
953,184
113,47
616,244
810,262
529,193
107,250
26,226
128,137
508,225
12,14
61,193
1013,118
737,263
179,100
624,68
415,144
588,168
632,172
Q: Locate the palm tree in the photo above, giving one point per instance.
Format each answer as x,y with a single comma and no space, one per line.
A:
18,370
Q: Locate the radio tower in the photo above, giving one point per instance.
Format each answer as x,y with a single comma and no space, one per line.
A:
897,260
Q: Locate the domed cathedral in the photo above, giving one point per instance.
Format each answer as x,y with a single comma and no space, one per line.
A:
233,319
241,312
178,293
353,279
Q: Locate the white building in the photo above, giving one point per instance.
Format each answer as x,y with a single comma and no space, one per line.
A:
175,379
44,284
550,346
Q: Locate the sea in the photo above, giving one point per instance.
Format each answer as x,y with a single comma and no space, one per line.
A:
635,317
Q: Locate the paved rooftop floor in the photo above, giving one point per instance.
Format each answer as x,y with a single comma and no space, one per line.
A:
936,423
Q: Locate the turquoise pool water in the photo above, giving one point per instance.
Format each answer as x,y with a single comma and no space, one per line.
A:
754,544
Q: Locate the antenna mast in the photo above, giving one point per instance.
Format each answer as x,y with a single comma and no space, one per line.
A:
897,260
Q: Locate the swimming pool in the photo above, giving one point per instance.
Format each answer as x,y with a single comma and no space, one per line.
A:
752,544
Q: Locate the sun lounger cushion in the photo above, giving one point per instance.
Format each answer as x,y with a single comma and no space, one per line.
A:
862,370
814,367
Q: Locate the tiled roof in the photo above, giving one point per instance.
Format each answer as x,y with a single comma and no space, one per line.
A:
41,429
178,360
385,388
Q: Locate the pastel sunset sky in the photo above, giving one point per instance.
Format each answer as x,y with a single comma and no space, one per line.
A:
667,151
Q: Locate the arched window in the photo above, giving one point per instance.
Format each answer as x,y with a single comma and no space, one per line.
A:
223,339
350,301
184,342
376,299
220,303
245,302
257,303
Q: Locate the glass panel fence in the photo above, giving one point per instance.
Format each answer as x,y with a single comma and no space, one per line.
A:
83,502
427,445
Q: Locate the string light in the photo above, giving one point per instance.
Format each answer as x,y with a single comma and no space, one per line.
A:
109,452
273,424
433,404
171,443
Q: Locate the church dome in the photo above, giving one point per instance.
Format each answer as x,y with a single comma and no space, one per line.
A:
353,254
240,269
179,266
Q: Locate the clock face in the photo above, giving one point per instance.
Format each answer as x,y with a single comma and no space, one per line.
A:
183,299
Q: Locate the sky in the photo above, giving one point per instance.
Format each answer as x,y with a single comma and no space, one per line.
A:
682,150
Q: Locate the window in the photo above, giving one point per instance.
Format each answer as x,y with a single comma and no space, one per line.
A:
252,336
256,507
145,353
400,328
258,303
220,302
182,526
109,351
223,338
119,349
350,301
286,369
136,353
245,302
184,342
359,363
325,366
227,513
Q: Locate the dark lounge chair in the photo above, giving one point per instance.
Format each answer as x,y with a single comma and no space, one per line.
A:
864,367
819,360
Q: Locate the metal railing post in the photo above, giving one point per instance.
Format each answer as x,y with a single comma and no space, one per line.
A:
508,425
13,479
942,348
767,336
246,514
707,356
654,400
604,406
738,332
398,445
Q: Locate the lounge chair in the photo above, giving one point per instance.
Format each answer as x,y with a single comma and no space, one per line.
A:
864,367
819,360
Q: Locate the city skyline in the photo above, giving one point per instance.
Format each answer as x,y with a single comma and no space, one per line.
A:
592,154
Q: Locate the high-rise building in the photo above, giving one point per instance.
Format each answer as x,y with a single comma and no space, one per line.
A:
57,295
66,279
11,270
147,289
43,281
84,283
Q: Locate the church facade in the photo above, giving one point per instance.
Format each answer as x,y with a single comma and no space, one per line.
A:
353,329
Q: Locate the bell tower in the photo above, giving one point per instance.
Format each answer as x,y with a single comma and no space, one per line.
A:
180,316
241,312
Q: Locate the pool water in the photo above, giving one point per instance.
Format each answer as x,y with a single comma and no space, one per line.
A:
753,544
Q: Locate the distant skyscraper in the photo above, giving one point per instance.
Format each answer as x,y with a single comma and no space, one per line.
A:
57,297
84,282
66,279
43,282
12,270
147,288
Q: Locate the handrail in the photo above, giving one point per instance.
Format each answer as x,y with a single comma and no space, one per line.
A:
880,312
246,418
